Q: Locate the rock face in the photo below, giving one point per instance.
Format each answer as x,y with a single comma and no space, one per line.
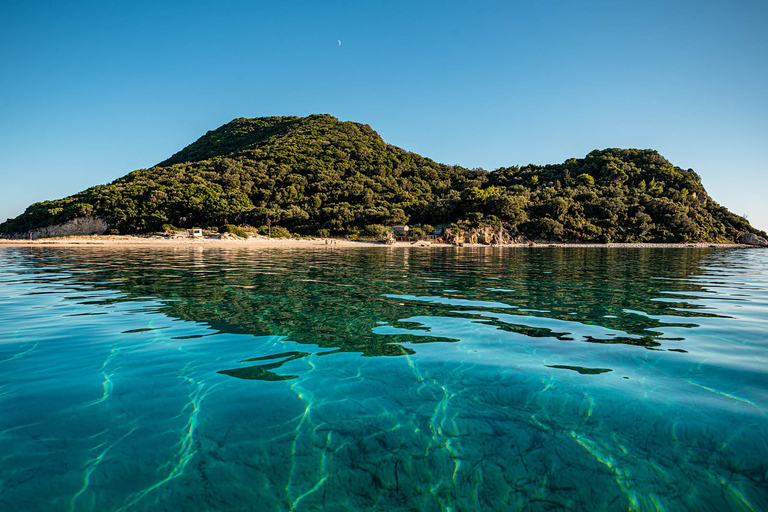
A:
80,226
753,239
230,236
479,235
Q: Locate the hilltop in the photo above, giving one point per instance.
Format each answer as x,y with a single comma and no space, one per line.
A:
318,175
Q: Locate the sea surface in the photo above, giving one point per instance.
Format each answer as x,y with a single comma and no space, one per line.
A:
225,379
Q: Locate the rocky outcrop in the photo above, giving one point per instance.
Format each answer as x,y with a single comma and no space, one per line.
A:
753,239
82,226
485,235
230,236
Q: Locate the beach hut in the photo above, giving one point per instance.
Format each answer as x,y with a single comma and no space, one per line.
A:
400,230
195,233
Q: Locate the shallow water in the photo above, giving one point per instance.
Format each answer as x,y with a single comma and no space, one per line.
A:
390,379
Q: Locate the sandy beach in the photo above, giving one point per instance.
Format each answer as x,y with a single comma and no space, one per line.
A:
257,242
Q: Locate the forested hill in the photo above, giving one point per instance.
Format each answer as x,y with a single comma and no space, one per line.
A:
317,175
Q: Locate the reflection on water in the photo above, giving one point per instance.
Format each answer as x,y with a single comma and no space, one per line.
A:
261,371
535,379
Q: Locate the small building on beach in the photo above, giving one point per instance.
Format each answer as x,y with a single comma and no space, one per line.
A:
400,230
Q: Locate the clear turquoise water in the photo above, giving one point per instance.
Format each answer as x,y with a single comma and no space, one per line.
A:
420,380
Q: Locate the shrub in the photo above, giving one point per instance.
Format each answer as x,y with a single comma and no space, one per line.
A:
230,228
474,217
585,180
417,233
374,231
170,227
549,229
276,232
323,233
493,221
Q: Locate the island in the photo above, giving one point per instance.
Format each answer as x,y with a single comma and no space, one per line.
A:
320,177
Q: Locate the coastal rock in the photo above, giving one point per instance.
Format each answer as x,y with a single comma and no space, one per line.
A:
488,236
454,238
485,235
753,239
230,236
80,226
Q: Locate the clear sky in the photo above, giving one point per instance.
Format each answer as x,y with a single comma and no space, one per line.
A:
92,90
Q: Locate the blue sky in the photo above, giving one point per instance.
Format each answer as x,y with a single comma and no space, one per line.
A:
94,90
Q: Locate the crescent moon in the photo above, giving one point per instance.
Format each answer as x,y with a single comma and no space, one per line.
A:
339,40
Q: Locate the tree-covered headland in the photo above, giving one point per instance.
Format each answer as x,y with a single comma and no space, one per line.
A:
319,176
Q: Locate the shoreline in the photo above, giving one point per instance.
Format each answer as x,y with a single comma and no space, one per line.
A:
258,242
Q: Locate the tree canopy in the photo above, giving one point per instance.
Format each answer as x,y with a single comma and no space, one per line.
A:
319,175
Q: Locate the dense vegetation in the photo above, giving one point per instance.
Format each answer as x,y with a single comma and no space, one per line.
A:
229,228
316,175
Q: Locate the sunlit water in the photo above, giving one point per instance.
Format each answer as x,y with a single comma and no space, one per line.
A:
385,379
